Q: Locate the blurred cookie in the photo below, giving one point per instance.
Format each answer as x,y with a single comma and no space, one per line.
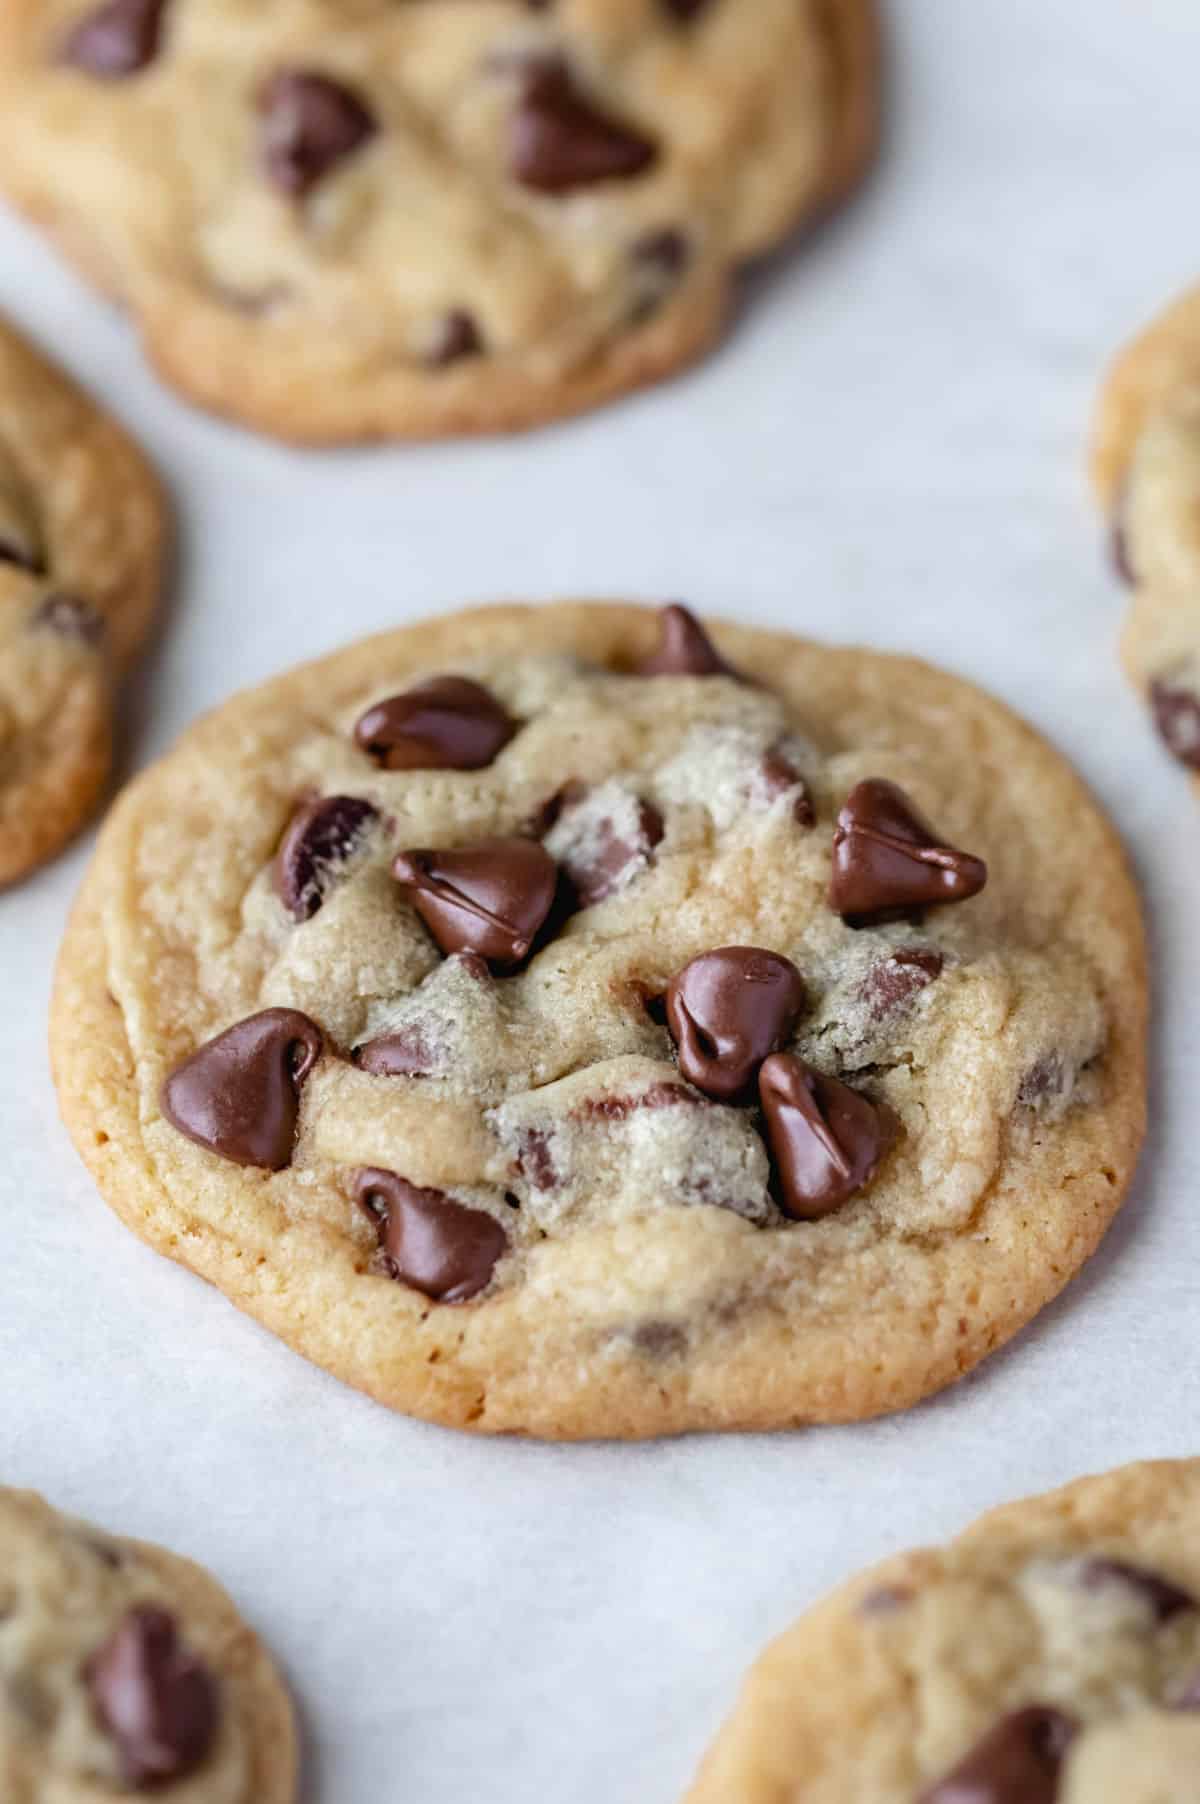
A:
548,1019
341,219
82,528
125,1669
1146,464
1050,1655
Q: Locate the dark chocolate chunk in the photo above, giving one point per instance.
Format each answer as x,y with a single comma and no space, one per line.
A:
1017,1762
239,1094
430,1241
457,336
321,836
727,1011
825,1139
156,1700
1176,711
310,123
448,723
558,140
888,859
491,898
892,984
116,39
684,649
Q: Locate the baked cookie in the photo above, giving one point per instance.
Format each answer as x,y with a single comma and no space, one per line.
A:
1050,1655
342,219
1146,464
549,1022
125,1669
81,547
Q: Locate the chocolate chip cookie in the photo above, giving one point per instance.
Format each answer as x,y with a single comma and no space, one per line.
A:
1050,1655
1146,464
341,219
125,1669
551,1019
81,547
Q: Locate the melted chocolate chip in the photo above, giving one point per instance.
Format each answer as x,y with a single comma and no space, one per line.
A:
457,336
665,254
491,898
70,617
1162,1598
22,556
1046,1080
559,141
888,859
117,39
156,1700
321,836
659,1340
608,860
431,1242
778,775
825,1139
448,723
727,1011
1177,717
891,984
310,123
239,1094
1017,1762
684,648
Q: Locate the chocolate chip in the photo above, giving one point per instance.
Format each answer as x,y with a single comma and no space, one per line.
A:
239,1094
559,141
620,1108
70,617
535,1160
825,1139
405,1053
888,859
1046,1080
431,1242
320,836
1162,1598
892,983
778,775
666,252
727,1011
684,649
685,9
117,39
605,860
1017,1762
455,337
156,1700
659,1340
491,898
1177,717
448,723
23,556
310,123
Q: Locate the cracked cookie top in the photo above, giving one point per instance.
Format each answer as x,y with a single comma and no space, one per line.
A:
1146,464
1051,1655
81,546
125,1670
352,218
550,1019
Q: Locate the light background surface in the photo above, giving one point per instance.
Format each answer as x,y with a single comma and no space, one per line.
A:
888,450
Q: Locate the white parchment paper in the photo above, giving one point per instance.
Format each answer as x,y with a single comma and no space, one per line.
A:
888,450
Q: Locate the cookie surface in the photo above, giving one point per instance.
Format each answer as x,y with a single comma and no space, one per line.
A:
414,1099
1146,464
81,550
340,221
125,1669
1050,1655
